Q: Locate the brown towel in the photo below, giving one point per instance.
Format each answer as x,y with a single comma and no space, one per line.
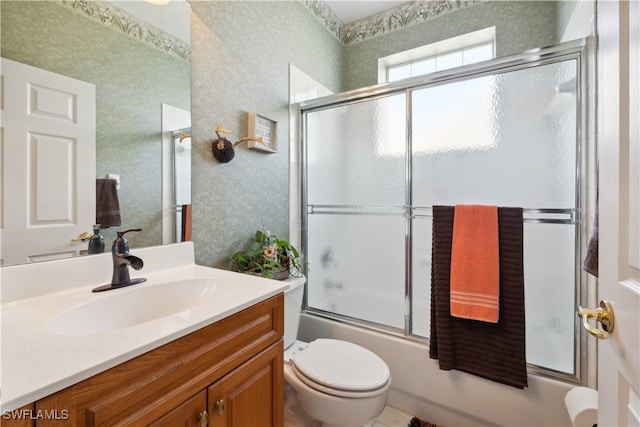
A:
590,263
107,204
492,351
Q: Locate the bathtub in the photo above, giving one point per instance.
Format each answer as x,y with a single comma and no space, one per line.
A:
449,398
366,304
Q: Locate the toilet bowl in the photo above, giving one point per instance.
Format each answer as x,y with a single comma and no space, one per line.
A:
336,382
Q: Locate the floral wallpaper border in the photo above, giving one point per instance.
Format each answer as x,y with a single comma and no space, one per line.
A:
119,20
400,17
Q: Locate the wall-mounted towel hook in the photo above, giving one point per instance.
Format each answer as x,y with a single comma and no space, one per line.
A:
223,149
184,135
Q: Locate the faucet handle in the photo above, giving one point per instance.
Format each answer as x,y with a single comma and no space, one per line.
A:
122,233
121,244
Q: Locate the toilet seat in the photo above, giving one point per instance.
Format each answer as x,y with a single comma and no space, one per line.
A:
340,368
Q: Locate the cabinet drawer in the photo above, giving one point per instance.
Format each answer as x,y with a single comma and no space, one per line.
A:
143,389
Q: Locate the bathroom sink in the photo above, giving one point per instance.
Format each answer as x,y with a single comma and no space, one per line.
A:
132,306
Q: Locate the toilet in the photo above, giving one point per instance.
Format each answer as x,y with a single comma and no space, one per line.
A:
334,382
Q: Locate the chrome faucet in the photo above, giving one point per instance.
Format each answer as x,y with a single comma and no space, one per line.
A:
122,259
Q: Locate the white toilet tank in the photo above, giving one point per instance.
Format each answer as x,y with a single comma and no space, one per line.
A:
292,307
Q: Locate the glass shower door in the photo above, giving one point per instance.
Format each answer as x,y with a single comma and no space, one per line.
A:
507,139
356,227
505,133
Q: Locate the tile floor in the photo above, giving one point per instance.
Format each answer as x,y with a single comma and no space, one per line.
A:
392,417
294,416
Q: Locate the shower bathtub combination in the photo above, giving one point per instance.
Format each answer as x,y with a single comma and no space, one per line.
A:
505,132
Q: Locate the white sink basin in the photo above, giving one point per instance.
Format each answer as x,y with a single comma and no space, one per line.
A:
121,308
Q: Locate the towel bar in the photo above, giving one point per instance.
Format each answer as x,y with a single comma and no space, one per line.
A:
530,215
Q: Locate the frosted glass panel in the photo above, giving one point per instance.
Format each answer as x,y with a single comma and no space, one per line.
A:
421,276
507,139
549,277
355,153
549,268
357,266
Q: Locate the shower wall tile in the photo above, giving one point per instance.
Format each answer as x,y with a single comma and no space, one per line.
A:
301,88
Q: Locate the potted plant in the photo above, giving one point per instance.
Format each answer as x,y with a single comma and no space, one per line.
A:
268,257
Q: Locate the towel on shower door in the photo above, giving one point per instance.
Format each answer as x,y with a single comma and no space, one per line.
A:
107,204
475,267
495,351
590,263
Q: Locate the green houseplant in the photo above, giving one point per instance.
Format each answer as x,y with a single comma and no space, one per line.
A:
268,257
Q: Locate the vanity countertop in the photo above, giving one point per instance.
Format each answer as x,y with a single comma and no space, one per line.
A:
36,361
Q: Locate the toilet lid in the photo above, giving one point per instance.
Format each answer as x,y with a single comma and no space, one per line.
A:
341,365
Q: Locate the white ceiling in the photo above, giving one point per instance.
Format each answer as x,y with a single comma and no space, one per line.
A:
173,17
349,11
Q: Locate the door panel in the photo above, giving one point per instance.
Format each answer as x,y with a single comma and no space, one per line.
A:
48,163
619,163
252,395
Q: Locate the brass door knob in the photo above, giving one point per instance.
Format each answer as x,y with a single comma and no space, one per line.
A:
85,236
602,314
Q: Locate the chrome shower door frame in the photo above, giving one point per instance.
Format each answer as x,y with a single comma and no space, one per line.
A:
578,50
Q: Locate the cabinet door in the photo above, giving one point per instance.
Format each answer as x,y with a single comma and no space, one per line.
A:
21,417
190,414
252,395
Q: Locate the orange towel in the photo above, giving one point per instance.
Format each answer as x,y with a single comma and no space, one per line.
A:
475,263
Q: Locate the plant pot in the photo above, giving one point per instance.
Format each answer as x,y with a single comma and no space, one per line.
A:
280,275
275,275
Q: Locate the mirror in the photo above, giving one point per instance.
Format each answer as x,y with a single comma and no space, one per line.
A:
142,78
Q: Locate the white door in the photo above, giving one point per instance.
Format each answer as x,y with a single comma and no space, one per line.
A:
619,168
48,128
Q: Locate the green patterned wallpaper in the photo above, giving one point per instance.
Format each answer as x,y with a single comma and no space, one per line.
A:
241,51
132,79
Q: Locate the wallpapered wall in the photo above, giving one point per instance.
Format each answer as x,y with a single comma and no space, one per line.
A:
520,25
241,52
132,80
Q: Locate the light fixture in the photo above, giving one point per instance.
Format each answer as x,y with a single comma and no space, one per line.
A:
158,2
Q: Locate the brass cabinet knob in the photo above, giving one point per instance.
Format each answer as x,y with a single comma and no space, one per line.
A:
602,314
203,417
219,406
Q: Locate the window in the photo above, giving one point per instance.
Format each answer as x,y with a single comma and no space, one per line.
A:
454,52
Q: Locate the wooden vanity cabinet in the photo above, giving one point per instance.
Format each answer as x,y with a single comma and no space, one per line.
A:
21,417
188,414
231,369
246,397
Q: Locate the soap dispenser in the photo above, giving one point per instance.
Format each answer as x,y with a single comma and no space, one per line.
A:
96,242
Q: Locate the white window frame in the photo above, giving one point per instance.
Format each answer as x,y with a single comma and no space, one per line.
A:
434,50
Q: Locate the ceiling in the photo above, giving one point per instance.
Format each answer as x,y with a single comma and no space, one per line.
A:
349,11
173,17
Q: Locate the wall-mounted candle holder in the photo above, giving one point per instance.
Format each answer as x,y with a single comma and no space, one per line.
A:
223,149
